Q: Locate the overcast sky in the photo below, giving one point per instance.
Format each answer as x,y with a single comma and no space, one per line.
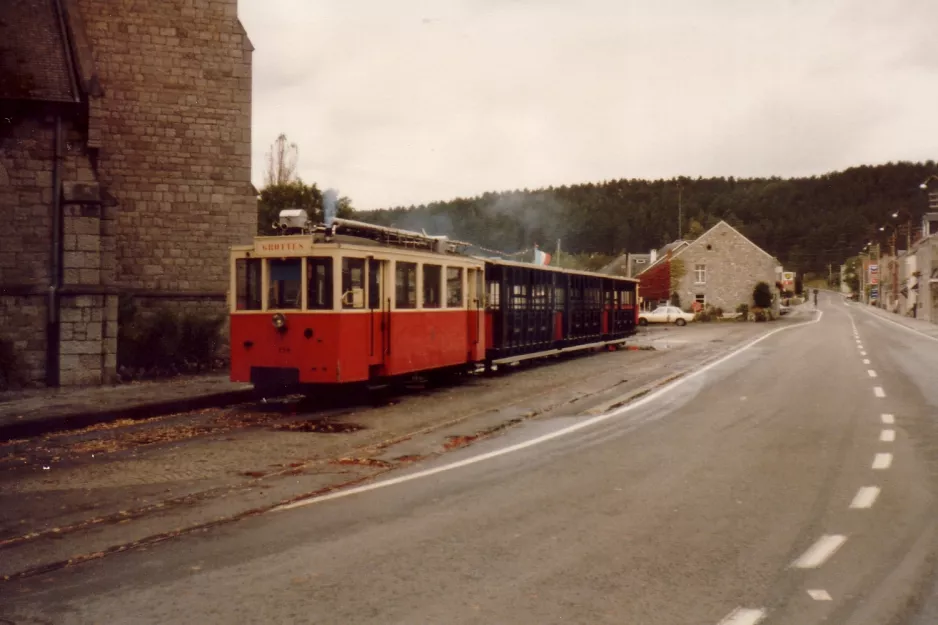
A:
398,102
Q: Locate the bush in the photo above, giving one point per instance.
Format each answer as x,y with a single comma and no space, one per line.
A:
675,299
10,370
762,295
166,343
759,314
743,311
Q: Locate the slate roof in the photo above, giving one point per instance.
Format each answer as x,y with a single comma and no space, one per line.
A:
35,59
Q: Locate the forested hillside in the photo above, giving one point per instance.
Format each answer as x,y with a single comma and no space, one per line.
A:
806,222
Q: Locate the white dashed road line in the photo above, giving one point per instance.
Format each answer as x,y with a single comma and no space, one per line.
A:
878,391
865,497
888,418
866,361
820,595
871,373
818,553
743,616
863,353
887,436
882,461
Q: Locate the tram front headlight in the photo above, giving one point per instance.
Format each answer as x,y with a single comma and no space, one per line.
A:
279,321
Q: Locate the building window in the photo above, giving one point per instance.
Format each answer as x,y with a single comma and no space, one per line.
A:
285,284
319,284
405,283
701,299
431,285
700,274
454,287
248,272
353,283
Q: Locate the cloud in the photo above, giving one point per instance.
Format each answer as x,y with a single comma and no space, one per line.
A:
409,102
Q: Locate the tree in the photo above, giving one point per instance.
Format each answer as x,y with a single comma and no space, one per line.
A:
281,162
694,230
762,295
275,198
283,189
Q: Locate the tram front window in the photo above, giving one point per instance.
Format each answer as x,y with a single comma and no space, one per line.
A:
248,281
285,284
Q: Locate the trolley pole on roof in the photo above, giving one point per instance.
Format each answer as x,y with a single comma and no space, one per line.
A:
558,252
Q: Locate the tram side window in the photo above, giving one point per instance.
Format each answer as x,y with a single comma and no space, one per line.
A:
454,287
626,298
432,274
405,283
285,288
353,283
493,296
319,288
248,278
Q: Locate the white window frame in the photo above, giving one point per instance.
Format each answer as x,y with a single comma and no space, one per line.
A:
700,274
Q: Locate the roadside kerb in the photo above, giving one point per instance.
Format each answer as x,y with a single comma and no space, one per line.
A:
83,418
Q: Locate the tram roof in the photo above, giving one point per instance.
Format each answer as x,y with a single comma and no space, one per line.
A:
592,274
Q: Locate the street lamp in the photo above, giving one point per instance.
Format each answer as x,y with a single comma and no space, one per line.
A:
932,195
924,185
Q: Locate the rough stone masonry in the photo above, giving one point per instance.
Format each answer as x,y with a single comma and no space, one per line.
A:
150,105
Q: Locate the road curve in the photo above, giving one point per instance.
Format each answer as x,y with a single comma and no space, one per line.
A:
793,482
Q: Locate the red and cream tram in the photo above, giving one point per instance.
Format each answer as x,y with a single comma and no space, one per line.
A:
354,302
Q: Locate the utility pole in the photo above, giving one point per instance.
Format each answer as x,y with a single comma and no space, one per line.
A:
830,274
680,211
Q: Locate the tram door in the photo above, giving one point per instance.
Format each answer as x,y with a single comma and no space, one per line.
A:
476,316
379,313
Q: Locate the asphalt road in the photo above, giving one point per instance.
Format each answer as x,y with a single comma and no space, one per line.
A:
792,482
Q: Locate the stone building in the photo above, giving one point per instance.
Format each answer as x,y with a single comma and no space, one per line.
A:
720,268
918,274
125,157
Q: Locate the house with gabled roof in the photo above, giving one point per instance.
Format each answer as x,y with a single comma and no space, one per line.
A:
720,268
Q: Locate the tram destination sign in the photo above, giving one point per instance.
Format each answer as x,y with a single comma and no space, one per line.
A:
279,246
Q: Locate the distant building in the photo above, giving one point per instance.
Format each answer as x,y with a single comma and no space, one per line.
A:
125,170
918,274
720,268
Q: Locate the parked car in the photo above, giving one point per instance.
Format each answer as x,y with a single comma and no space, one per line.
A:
665,314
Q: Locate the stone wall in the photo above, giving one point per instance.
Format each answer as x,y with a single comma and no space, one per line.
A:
23,323
26,156
26,149
170,140
88,352
174,131
734,265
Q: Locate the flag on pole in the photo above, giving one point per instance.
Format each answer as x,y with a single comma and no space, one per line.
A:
541,258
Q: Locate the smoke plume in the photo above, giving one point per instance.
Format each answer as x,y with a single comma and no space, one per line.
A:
329,202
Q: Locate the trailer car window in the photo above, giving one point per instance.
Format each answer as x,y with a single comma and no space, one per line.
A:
405,283
248,284
454,287
285,290
319,289
432,274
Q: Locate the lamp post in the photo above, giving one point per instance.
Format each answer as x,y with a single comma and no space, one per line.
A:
893,262
932,195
